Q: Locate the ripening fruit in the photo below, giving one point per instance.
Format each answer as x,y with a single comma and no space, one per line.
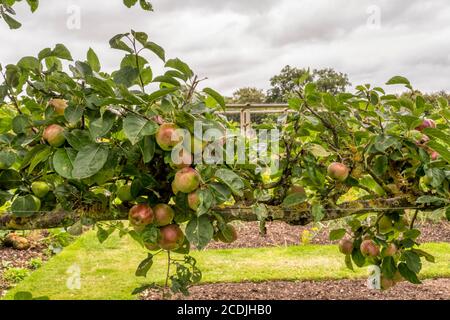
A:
434,155
346,246
369,248
427,123
164,214
181,158
141,215
338,171
231,234
386,283
385,225
398,277
166,136
390,250
54,135
186,180
40,188
59,105
124,193
171,237
193,200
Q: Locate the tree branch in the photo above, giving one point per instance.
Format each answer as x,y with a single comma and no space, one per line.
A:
300,215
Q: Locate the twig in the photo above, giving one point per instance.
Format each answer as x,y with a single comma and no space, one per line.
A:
414,219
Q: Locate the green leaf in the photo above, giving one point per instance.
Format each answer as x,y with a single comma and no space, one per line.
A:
136,127
126,76
144,266
318,151
101,126
40,157
90,160
443,151
62,52
221,192
294,199
117,43
231,179
337,234
101,86
166,79
411,234
73,113
78,138
431,200
7,158
29,63
10,179
34,4
20,124
380,165
156,49
145,5
206,201
160,93
199,231
63,160
24,206
181,66
436,133
358,258
398,80
102,234
412,260
424,254
31,154
142,37
150,234
216,96
408,274
317,212
148,147
129,3
348,261
93,60
12,23
388,267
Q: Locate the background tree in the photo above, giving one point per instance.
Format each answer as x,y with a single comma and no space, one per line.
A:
327,80
249,95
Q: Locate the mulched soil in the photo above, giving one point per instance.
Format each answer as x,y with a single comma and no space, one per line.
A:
11,258
282,234
433,289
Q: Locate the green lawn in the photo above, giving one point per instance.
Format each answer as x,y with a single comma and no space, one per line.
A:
107,270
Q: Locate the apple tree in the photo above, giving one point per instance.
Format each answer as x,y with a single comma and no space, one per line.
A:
81,146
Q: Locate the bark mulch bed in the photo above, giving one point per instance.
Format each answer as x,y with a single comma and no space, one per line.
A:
282,234
11,258
433,289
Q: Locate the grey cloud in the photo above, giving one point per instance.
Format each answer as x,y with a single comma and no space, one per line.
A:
243,43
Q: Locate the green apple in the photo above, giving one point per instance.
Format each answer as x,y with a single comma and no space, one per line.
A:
40,188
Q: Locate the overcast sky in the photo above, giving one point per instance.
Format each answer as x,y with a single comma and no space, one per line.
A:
238,43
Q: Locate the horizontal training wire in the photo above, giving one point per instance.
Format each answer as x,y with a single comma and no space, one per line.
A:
287,210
